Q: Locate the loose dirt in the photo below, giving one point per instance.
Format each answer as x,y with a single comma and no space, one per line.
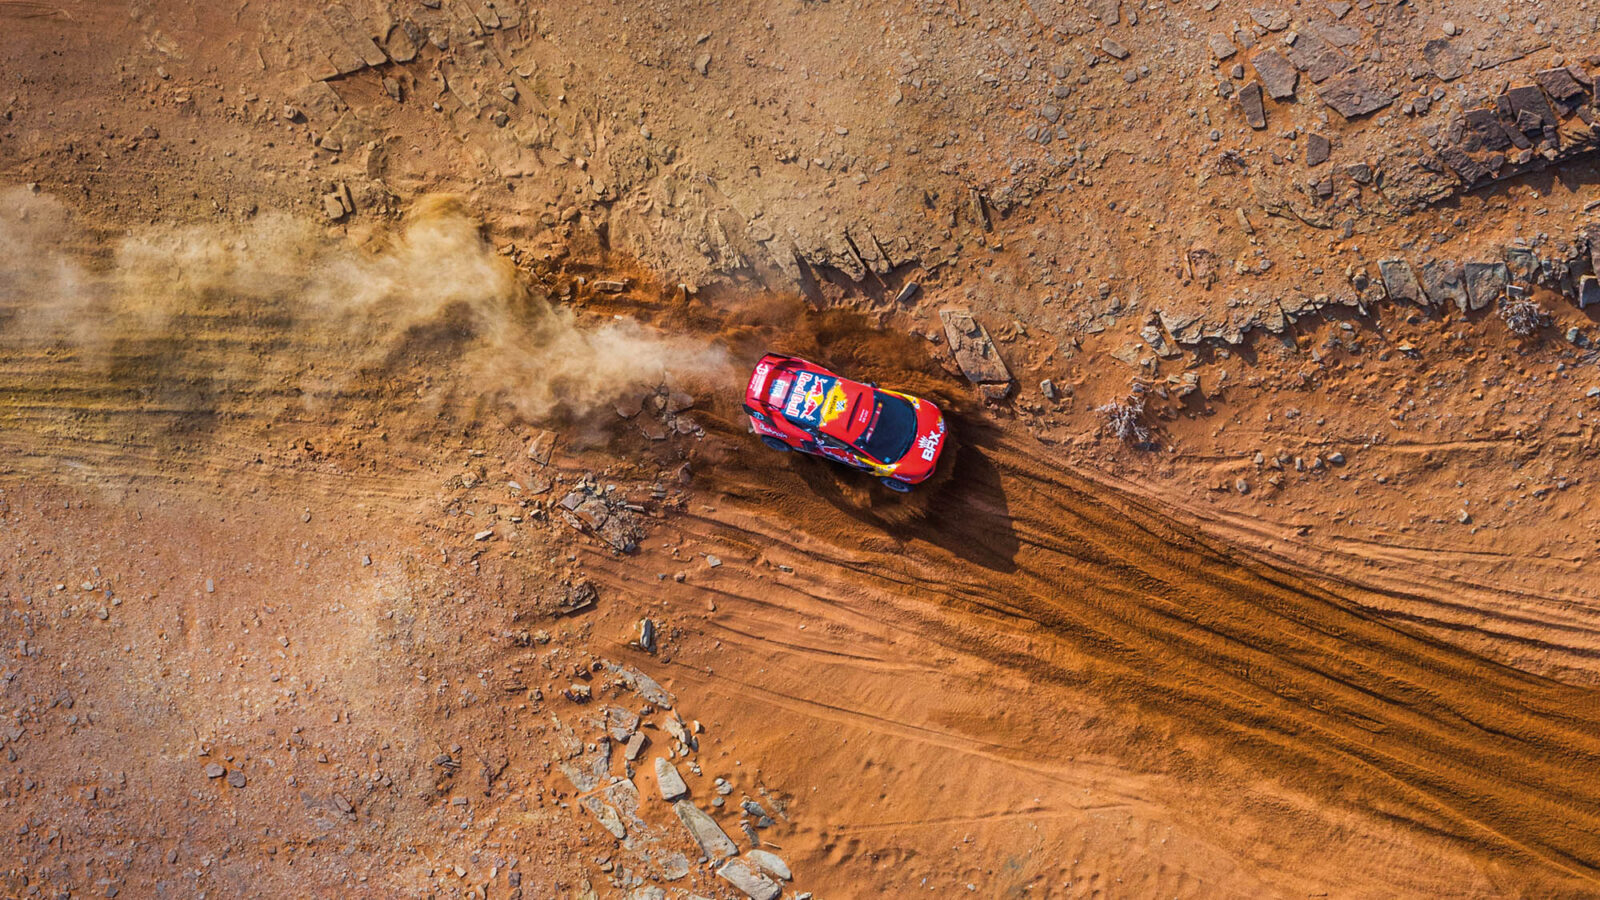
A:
377,517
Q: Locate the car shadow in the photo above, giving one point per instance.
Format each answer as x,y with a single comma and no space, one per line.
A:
962,510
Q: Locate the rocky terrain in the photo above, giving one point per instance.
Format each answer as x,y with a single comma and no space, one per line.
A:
377,517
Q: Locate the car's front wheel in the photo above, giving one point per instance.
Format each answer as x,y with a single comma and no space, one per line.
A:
775,444
896,485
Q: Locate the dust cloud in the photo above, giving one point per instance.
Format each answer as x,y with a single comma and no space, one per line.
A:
432,284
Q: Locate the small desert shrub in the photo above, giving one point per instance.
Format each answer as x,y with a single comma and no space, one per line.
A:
1522,316
1125,420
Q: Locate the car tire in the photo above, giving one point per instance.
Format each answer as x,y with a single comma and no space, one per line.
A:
775,444
896,485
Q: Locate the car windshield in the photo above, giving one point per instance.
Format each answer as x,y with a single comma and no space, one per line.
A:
892,428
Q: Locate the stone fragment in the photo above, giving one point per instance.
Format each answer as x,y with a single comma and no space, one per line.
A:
215,770
671,783
1588,291
1483,130
1317,149
1400,281
771,864
1254,110
608,817
1339,8
1112,47
1270,19
635,746
1441,280
1222,46
1559,83
1277,76
1486,283
1354,95
702,63
333,207
236,779
715,842
1317,58
401,42
972,348
1522,264
1468,169
747,878
1531,100
1337,35
1445,60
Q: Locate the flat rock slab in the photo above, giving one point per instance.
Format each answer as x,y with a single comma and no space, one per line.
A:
747,878
1277,75
1559,83
706,832
1255,112
770,863
1446,61
972,348
1588,291
1469,170
1486,283
1532,101
1522,264
1317,58
1317,149
1442,280
1400,281
670,782
1354,95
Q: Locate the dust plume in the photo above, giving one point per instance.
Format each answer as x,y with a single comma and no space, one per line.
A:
431,291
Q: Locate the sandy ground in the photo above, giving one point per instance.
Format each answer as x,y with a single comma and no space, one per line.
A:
368,375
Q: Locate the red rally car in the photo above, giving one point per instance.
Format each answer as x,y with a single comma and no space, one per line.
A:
799,405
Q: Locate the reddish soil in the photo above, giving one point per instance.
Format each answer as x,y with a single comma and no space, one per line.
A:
369,372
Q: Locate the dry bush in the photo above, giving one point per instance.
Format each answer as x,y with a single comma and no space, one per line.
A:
1125,420
1522,316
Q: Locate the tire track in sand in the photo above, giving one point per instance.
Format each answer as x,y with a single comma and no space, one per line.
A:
1267,667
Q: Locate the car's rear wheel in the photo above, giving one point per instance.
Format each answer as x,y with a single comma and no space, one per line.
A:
895,484
775,444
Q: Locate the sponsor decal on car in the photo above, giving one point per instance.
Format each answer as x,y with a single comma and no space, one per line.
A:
809,397
834,404
780,387
929,444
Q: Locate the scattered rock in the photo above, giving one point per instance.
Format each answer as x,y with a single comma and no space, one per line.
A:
1270,19
770,864
635,745
1277,75
1400,281
1354,95
543,444
1317,149
215,770
1486,283
1222,46
702,63
671,783
1112,47
1588,291
1254,110
236,779
1443,283
973,349
747,878
713,841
